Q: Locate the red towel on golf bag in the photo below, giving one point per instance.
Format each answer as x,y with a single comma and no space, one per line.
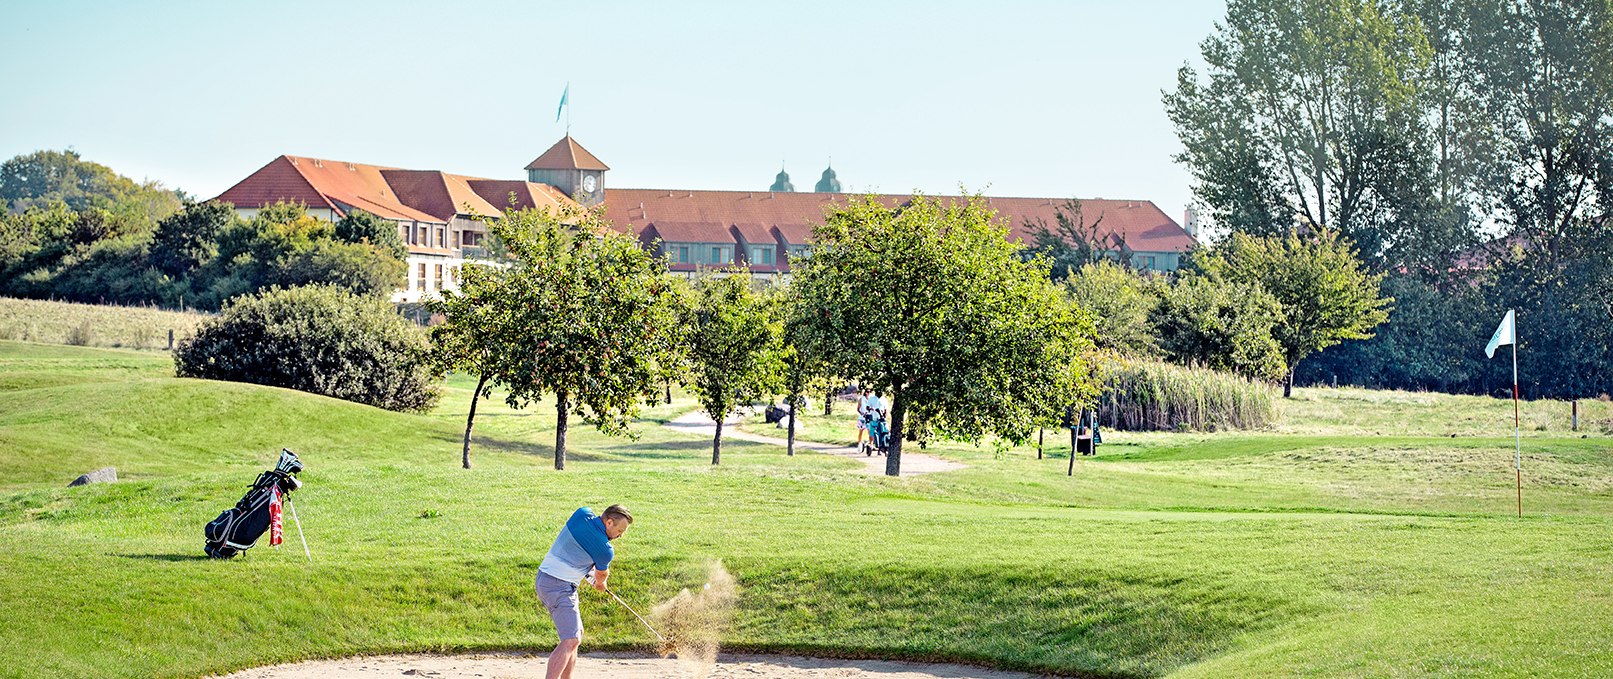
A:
274,519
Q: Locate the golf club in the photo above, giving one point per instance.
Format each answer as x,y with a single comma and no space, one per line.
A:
636,615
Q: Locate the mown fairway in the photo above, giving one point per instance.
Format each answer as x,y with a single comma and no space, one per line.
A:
1357,538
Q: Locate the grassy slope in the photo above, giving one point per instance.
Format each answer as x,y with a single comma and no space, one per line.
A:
1318,549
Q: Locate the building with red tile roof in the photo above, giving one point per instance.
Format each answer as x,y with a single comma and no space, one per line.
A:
437,213
741,218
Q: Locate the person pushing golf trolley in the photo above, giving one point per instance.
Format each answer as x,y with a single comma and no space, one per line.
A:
582,551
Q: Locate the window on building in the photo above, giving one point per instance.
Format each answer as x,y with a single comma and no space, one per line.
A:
456,239
403,232
683,254
440,279
442,237
420,281
767,256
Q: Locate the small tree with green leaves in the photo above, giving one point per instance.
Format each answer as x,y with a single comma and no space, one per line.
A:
804,371
593,320
734,344
1120,301
475,336
1324,291
931,302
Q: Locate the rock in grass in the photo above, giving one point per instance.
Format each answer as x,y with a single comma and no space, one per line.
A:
102,475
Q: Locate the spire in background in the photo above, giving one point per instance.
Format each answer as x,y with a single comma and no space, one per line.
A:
781,183
828,183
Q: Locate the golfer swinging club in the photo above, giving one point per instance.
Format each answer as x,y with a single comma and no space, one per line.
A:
581,551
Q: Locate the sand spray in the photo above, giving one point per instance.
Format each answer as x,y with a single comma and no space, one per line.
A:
694,622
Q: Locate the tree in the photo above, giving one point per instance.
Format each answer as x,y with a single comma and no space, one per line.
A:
44,177
1433,340
931,302
1072,243
1221,325
1309,117
366,228
1325,294
734,346
284,245
1119,301
475,336
804,371
188,239
594,322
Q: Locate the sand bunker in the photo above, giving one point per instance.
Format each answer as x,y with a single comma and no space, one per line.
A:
692,623
616,666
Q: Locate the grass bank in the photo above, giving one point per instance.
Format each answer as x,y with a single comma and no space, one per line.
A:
1335,545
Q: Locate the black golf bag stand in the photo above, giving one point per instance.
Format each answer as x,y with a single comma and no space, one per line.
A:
239,527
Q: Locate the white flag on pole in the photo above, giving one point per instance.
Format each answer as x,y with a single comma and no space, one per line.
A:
1503,335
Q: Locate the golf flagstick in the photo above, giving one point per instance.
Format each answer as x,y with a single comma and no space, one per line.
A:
300,536
636,615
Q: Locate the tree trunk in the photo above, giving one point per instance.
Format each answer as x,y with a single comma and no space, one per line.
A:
1073,430
828,403
893,459
1039,432
668,384
1288,384
789,446
716,443
480,382
560,409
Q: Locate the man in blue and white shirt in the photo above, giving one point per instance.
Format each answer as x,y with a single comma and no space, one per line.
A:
582,551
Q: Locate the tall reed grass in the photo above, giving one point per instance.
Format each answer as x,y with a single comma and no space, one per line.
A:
1154,396
96,325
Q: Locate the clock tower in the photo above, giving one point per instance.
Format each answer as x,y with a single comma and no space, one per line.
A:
572,169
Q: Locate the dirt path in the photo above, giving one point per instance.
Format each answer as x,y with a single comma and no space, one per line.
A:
913,463
617,666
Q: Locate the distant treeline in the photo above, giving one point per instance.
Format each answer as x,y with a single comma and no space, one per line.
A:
1464,148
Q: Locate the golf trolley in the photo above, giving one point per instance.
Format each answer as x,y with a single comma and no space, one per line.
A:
879,434
238,528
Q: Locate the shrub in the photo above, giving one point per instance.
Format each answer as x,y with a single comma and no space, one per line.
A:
318,339
81,335
1224,326
1153,396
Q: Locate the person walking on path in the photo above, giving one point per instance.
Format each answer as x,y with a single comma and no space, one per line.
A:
582,551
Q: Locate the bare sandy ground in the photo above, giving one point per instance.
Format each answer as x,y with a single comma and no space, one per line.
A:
616,666
913,462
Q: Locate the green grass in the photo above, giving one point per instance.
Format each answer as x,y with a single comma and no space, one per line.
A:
51,322
1356,538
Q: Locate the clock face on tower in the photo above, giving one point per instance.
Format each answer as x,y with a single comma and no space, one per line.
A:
588,183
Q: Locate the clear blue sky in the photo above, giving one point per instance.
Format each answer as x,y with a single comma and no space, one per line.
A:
1014,98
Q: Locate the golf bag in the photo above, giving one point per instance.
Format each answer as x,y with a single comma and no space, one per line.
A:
239,527
879,435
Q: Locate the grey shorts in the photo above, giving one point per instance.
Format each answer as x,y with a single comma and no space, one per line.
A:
560,597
